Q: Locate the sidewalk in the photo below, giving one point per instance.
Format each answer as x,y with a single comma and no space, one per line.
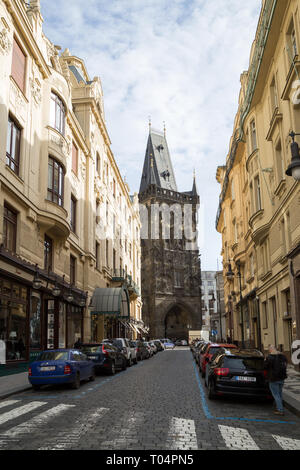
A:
291,391
15,383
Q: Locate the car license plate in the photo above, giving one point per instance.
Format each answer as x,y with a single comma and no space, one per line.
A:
92,357
47,369
245,379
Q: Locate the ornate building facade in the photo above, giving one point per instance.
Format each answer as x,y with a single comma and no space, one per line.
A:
259,216
171,274
68,224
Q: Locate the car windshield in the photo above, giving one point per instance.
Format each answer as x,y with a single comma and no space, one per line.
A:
213,350
118,343
91,348
243,363
54,356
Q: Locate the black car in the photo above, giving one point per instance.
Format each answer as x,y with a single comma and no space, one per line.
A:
106,357
238,372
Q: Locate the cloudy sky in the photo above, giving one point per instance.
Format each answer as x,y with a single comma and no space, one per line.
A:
178,61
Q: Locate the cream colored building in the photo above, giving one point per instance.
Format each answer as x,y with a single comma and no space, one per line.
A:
259,216
68,224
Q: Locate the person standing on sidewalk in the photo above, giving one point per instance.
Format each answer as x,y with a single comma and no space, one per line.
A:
276,366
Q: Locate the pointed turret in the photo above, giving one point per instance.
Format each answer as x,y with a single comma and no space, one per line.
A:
158,167
194,190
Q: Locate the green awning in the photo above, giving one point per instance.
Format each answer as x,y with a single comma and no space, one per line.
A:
110,301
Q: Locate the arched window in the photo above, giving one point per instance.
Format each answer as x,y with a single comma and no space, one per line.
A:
57,114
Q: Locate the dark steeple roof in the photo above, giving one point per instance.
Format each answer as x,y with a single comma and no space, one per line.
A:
160,171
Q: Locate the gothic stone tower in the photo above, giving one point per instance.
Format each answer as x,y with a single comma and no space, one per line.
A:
171,274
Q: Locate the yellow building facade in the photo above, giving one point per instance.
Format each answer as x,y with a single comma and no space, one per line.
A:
259,216
68,224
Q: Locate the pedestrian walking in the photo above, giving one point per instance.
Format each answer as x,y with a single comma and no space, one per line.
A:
276,366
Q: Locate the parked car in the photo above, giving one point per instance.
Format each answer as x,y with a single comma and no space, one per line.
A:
159,345
142,351
154,347
195,346
60,366
181,342
211,349
150,350
201,348
168,344
238,372
124,345
133,345
105,356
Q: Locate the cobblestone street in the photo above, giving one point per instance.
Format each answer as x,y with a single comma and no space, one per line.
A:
159,404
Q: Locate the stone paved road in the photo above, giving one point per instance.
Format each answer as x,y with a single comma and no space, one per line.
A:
160,404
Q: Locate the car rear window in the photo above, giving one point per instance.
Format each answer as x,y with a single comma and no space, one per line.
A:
243,363
118,343
213,350
90,349
54,356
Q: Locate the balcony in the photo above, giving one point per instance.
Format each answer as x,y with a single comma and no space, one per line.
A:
121,277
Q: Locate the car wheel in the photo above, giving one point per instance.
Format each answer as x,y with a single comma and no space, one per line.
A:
124,366
211,390
129,363
112,369
202,374
93,376
76,384
135,360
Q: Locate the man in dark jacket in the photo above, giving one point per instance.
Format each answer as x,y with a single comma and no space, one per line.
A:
276,365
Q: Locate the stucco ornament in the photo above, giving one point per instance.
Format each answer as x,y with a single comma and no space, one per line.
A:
5,42
36,91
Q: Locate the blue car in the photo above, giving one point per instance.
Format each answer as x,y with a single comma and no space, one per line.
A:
61,366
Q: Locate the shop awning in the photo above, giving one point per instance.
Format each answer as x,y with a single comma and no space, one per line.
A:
110,301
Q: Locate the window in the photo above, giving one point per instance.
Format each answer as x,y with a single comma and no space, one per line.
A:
291,44
258,204
251,265
13,145
97,255
57,113
9,229
178,279
48,253
18,65
73,214
274,96
294,42
253,136
114,188
114,260
98,164
74,159
72,270
279,162
107,253
55,182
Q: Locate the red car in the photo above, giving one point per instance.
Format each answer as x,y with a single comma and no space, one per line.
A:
210,351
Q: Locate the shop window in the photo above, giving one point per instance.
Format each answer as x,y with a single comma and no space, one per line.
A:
74,327
35,322
13,317
57,114
55,182
9,228
13,145
18,68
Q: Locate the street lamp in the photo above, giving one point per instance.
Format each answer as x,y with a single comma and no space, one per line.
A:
230,276
294,168
37,283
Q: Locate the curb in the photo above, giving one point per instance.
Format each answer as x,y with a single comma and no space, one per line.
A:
14,391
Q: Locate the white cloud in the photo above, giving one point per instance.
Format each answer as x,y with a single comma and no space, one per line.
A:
177,60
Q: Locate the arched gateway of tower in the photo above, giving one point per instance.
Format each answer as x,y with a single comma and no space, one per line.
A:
171,274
